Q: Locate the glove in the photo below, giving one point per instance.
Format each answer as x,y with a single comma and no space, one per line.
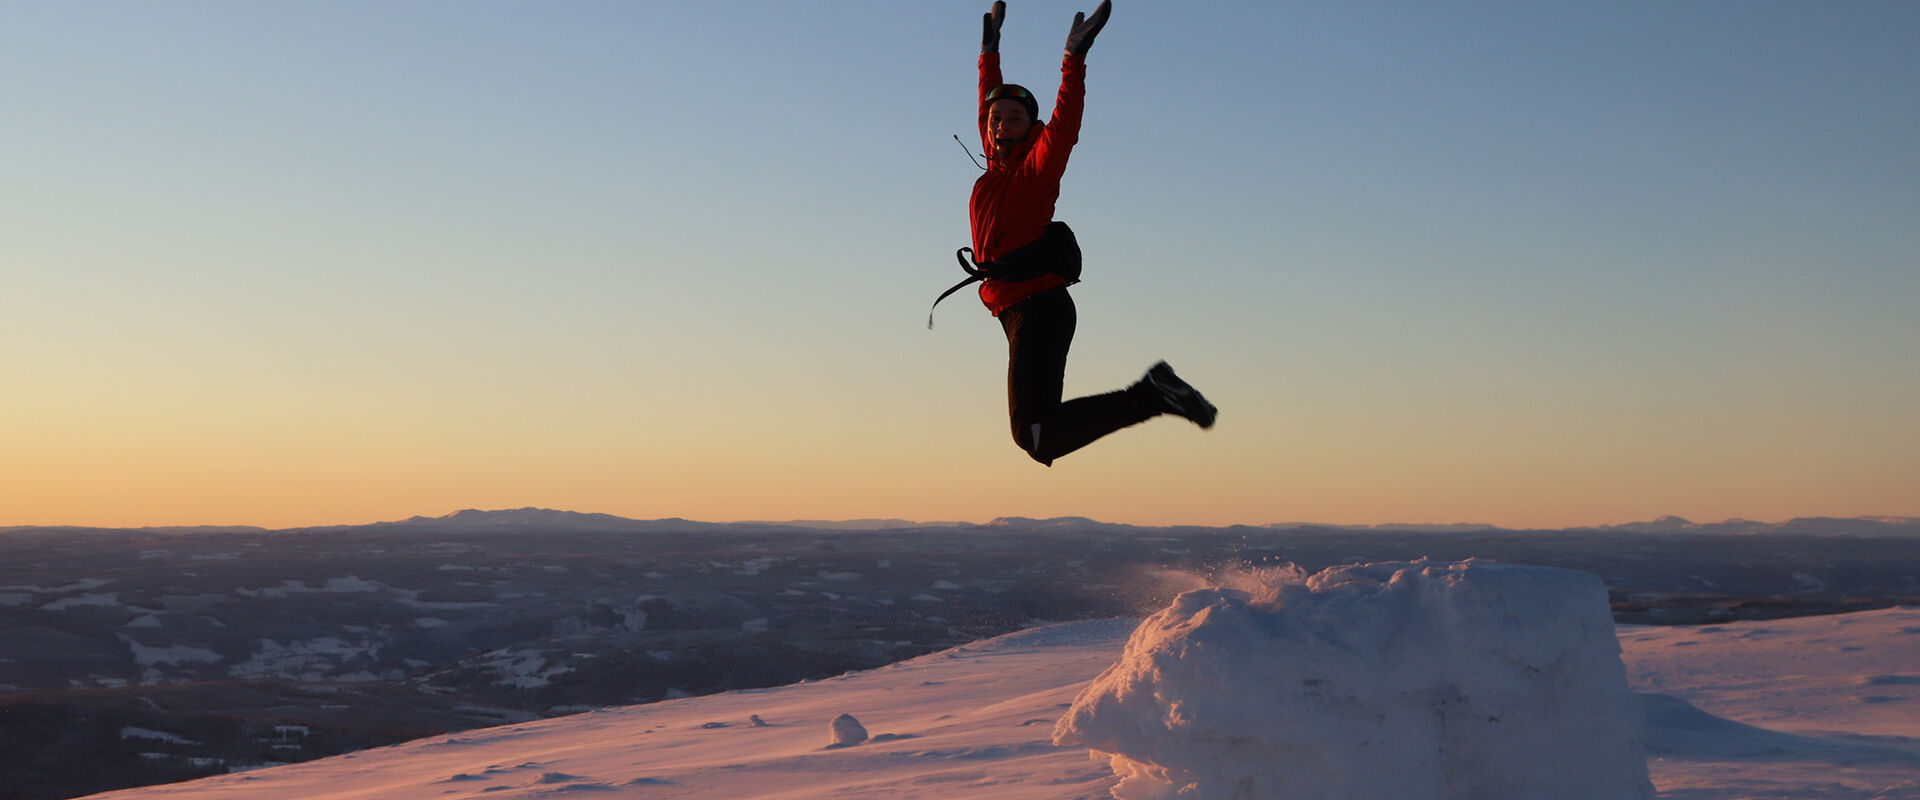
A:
1080,39
990,27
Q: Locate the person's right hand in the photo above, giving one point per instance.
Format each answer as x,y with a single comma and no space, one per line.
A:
990,27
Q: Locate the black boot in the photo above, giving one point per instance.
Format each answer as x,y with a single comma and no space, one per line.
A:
1165,392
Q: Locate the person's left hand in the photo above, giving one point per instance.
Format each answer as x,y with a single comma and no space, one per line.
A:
1080,39
990,27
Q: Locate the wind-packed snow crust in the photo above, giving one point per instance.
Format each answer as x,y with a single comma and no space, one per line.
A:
1404,680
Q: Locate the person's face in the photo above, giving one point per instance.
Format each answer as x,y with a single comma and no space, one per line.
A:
1007,123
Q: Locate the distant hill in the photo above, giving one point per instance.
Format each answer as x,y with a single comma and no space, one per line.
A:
1806,526
547,519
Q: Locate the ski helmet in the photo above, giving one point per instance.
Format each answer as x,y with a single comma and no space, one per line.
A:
1014,91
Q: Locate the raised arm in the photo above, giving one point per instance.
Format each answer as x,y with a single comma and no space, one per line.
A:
989,60
1063,129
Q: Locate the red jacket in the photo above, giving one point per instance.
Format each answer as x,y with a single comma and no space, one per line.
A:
1013,201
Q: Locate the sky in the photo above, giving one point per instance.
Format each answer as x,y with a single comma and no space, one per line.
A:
1532,265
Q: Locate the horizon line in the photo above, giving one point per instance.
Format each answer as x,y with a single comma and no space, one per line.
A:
502,517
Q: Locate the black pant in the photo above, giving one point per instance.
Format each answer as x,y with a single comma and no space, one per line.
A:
1039,330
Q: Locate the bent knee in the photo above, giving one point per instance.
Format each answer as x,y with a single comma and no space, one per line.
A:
1028,437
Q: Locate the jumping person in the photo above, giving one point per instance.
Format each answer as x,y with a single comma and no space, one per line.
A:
1027,260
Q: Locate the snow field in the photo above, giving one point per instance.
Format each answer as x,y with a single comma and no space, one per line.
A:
977,721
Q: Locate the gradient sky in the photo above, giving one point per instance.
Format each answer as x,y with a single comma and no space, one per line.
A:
1529,264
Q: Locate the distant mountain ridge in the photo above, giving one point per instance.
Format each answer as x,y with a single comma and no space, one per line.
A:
574,520
1816,526
554,520
1830,526
535,517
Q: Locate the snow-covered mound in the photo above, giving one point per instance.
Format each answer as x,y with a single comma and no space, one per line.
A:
1467,680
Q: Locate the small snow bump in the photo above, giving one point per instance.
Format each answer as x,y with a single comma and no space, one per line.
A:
846,731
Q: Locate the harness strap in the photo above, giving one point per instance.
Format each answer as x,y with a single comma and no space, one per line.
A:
1054,253
972,275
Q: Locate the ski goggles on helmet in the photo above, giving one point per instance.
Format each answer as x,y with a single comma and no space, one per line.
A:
1015,92
1010,91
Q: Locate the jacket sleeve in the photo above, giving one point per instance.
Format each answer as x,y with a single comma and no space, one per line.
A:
1063,130
989,80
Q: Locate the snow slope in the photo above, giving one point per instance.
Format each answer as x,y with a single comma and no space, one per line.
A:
1816,707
